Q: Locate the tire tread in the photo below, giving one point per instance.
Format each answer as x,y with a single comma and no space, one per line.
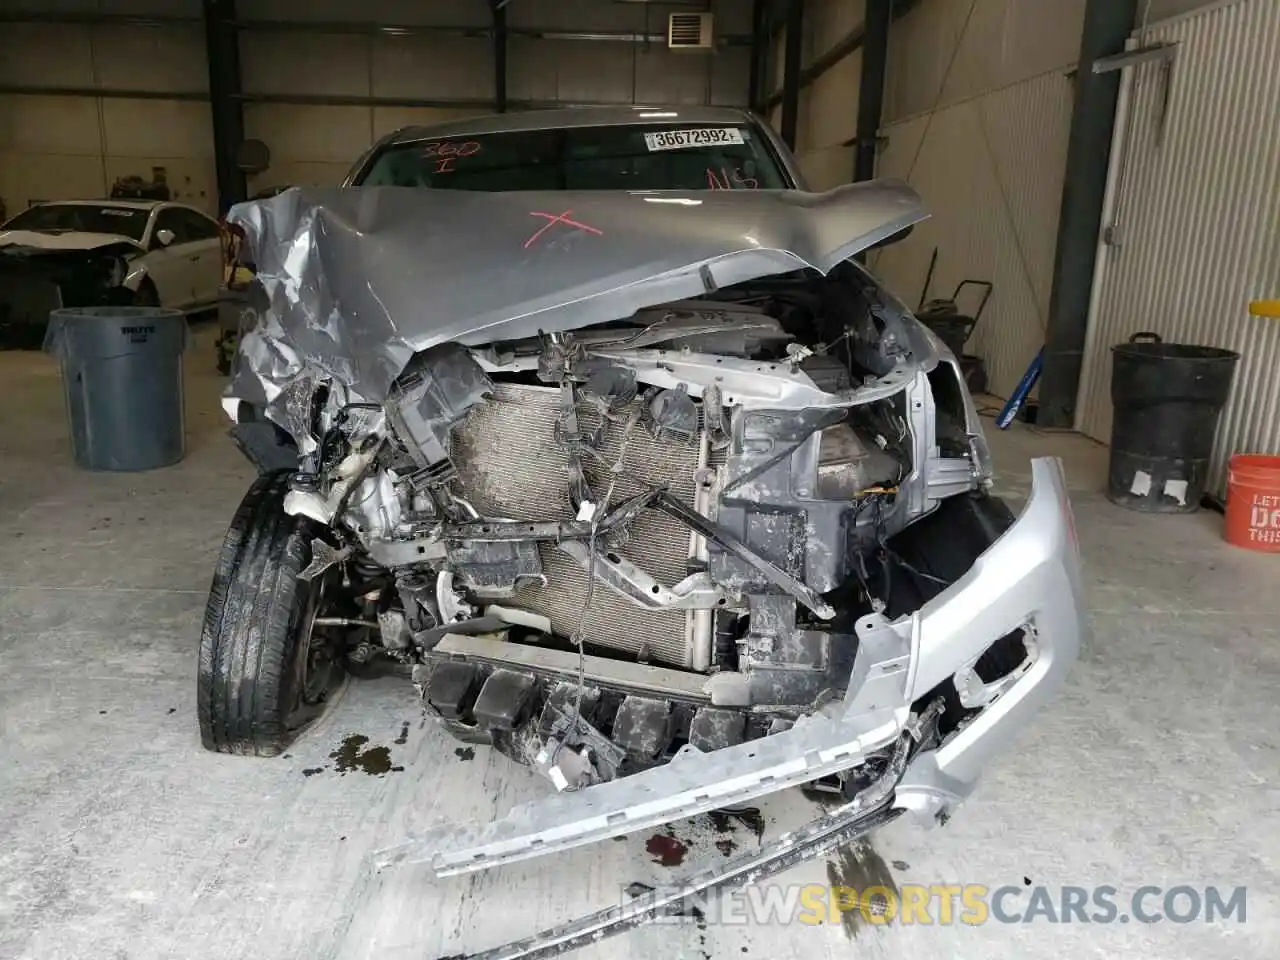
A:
245,685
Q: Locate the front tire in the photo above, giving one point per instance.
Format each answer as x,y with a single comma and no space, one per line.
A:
262,677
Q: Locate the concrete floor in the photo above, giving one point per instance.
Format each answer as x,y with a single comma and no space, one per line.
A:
121,838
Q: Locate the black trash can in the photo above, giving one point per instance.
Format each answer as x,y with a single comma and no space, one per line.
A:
122,374
1167,397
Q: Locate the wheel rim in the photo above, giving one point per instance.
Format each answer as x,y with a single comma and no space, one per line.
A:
315,667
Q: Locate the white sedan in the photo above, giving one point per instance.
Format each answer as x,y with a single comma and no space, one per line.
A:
172,252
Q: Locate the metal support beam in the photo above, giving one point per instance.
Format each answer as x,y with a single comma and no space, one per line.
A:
476,30
793,48
850,42
759,51
223,51
875,56
500,56
1107,25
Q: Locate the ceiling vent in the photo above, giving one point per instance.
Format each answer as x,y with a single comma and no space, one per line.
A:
689,31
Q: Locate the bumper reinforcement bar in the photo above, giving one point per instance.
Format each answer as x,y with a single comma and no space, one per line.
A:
868,811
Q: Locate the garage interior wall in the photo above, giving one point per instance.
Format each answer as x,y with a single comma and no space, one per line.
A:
322,80
827,122
1195,216
827,119
58,147
978,101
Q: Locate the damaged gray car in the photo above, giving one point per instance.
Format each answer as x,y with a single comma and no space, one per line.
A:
645,480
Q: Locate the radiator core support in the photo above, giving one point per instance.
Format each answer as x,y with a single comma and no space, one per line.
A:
511,464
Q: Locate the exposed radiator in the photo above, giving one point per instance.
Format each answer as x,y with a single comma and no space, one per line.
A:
510,466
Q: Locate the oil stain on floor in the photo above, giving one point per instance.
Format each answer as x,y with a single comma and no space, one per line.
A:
858,866
351,756
726,823
666,849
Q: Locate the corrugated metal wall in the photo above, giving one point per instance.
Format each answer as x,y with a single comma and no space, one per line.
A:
978,113
1198,214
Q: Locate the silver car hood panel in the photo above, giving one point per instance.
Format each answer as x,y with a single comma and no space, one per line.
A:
357,280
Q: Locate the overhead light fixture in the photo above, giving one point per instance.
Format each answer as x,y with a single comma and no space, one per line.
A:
658,114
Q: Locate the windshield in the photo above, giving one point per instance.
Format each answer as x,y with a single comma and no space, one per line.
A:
722,157
82,218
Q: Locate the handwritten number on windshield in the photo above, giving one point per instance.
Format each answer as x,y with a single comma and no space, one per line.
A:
445,152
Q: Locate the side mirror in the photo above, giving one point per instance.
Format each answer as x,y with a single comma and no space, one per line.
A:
165,237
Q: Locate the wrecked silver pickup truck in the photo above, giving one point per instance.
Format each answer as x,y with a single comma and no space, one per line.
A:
658,492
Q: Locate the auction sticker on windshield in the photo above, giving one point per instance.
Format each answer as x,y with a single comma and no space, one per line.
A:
705,137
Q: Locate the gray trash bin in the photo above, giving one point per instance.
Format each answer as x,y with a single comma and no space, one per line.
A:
122,373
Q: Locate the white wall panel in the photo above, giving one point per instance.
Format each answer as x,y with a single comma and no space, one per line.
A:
49,125
833,103
1199,218
168,58
826,168
429,66
45,54
827,22
305,63
730,68
161,58
570,70
317,144
60,147
293,132
576,71
157,128
54,177
666,77
827,123
990,170
993,43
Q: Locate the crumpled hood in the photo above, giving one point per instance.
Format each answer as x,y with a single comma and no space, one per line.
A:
357,280
63,241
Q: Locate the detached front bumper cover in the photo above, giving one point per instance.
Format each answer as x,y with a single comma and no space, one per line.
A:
1029,578
870,809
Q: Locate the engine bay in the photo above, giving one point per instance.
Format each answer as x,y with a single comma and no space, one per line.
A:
635,536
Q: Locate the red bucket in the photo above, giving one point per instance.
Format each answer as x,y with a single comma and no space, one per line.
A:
1253,502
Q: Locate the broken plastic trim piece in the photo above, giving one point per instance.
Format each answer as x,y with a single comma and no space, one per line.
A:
868,811
816,839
